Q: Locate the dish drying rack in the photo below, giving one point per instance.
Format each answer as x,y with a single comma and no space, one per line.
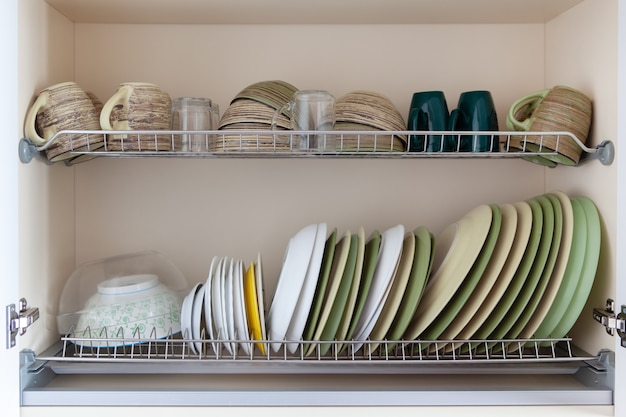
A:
76,354
86,144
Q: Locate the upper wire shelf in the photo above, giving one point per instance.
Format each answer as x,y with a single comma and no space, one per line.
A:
74,146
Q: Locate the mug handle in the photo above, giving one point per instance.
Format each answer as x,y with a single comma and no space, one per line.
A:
532,100
31,118
283,109
120,97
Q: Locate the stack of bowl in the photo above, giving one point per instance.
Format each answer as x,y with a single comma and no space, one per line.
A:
253,109
367,110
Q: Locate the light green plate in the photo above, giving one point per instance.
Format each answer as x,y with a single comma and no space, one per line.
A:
572,274
545,271
343,290
372,249
499,314
320,290
490,275
463,293
344,326
420,271
588,274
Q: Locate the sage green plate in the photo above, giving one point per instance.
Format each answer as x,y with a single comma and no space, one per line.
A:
545,271
322,282
342,249
372,248
590,266
339,303
571,276
422,263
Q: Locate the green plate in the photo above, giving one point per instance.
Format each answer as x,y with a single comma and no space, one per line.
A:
342,331
588,274
342,249
463,293
490,276
555,276
545,271
499,314
572,274
320,290
520,243
369,265
422,263
343,291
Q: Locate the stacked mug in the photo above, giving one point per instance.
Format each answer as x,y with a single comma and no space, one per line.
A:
559,109
64,106
475,112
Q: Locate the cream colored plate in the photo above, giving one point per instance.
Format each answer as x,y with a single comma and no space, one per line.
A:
456,249
489,276
520,242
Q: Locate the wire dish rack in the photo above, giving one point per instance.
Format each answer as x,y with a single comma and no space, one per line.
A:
74,146
78,354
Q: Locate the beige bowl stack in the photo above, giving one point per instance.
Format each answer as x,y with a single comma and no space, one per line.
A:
369,111
253,109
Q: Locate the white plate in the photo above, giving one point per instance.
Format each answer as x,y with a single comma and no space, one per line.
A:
227,305
289,285
196,319
301,313
208,311
389,255
260,294
186,313
216,305
456,249
239,308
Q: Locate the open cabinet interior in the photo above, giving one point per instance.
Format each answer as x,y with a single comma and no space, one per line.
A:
193,209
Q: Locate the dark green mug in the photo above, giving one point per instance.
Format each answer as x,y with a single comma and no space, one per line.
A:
429,111
476,112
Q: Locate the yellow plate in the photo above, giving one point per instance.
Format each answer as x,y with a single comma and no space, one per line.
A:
252,307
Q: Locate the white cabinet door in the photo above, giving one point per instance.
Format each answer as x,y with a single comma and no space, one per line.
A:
9,360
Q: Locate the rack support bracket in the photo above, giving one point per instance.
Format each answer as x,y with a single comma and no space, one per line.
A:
612,322
18,320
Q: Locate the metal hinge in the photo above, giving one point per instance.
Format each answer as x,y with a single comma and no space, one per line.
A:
610,321
19,320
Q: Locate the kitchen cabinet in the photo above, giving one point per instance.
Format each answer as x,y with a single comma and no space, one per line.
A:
193,209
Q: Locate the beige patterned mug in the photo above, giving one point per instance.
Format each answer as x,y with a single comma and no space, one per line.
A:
138,106
63,106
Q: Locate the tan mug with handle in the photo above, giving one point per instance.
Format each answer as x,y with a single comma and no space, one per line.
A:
138,106
560,109
63,106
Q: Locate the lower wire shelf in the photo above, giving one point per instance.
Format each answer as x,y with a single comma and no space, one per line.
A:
135,355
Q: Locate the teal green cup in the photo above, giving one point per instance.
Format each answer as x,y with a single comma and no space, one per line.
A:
429,112
476,112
